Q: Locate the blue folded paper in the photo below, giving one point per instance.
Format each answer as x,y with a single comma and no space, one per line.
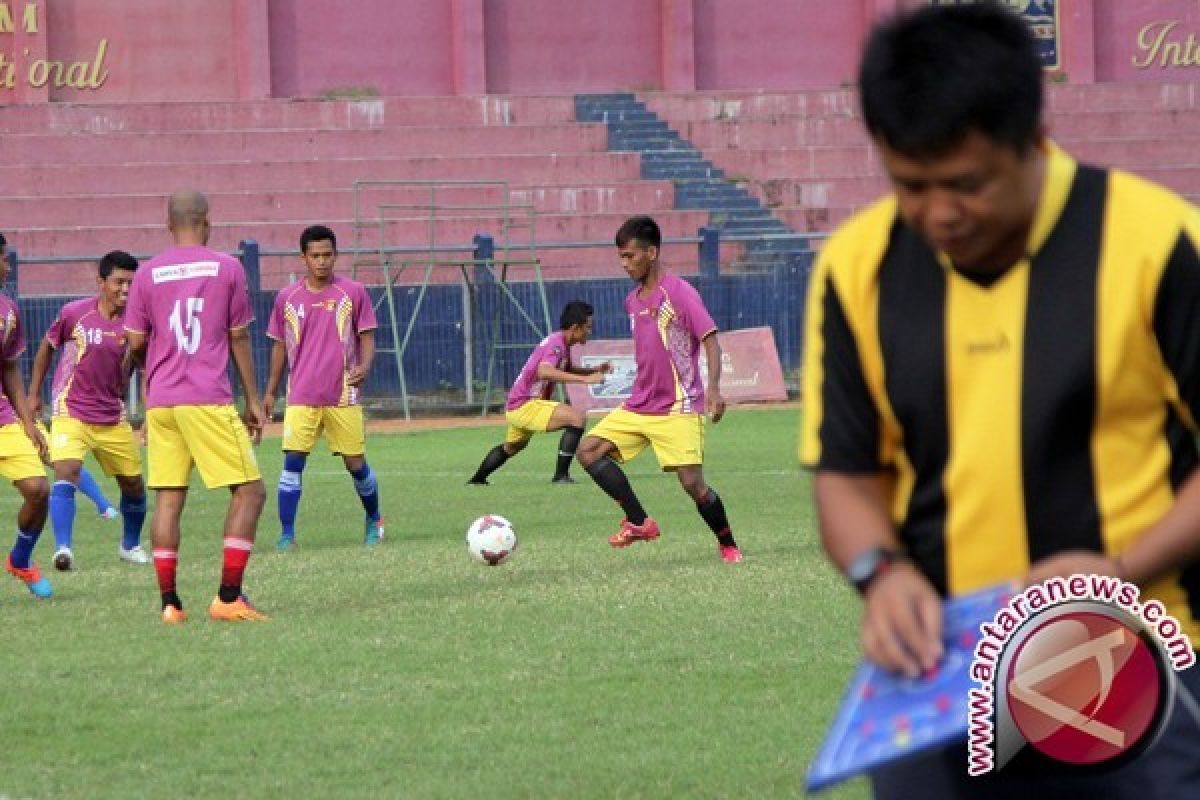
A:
885,717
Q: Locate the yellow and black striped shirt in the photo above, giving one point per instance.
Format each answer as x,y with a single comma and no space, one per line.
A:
1053,409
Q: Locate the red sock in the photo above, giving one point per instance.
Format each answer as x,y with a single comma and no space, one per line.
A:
237,553
164,565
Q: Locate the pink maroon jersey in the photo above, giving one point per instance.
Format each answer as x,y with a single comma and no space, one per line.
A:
91,378
320,332
668,328
552,350
186,300
12,344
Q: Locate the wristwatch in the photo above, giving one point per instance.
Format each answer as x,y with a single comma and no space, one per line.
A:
869,565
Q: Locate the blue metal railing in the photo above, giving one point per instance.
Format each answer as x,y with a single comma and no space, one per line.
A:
435,364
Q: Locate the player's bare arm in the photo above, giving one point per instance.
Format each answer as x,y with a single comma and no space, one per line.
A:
1173,540
600,369
135,352
366,354
239,348
549,373
41,367
137,346
902,616
274,377
713,401
10,376
143,388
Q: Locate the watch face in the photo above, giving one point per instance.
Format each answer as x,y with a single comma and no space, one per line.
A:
864,566
867,566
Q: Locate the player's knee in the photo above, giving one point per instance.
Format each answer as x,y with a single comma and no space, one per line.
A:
590,449
693,484
252,494
132,486
512,448
36,491
67,471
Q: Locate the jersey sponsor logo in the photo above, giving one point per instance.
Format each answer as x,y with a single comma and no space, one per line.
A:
984,347
181,272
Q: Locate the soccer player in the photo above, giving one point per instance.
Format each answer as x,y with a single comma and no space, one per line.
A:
22,448
530,410
88,407
323,326
188,312
669,401
1002,377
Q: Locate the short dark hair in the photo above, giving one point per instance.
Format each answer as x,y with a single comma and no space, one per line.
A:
931,76
642,228
3,242
117,259
575,312
317,233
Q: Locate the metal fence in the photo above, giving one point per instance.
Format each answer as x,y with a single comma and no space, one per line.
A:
459,322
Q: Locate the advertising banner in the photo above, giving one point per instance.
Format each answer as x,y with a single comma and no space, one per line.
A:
750,370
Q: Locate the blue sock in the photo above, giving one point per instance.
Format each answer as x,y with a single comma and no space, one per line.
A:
368,490
290,489
22,549
133,514
62,512
88,485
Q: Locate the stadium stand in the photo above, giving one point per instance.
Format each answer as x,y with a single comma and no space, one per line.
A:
805,156
81,180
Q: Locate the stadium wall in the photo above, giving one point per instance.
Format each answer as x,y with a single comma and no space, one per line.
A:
119,51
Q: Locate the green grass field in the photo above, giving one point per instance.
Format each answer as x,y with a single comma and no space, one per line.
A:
575,670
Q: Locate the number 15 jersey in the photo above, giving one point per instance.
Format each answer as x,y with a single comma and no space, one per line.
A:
186,300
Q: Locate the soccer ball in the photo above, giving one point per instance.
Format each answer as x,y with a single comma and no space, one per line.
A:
491,539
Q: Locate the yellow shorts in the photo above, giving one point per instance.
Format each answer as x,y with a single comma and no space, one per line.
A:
678,439
113,445
212,437
343,426
532,416
18,457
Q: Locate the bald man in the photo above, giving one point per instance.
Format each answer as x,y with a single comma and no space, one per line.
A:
188,312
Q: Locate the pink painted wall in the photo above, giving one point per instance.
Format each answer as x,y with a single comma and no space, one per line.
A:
189,49
553,46
1121,23
242,49
1077,42
389,47
777,44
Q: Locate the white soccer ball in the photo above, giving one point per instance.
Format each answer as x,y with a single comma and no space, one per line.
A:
491,539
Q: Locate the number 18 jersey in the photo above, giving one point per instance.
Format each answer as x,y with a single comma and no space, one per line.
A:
90,378
186,300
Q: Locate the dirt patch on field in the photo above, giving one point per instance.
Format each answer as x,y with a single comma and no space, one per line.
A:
275,429
493,420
